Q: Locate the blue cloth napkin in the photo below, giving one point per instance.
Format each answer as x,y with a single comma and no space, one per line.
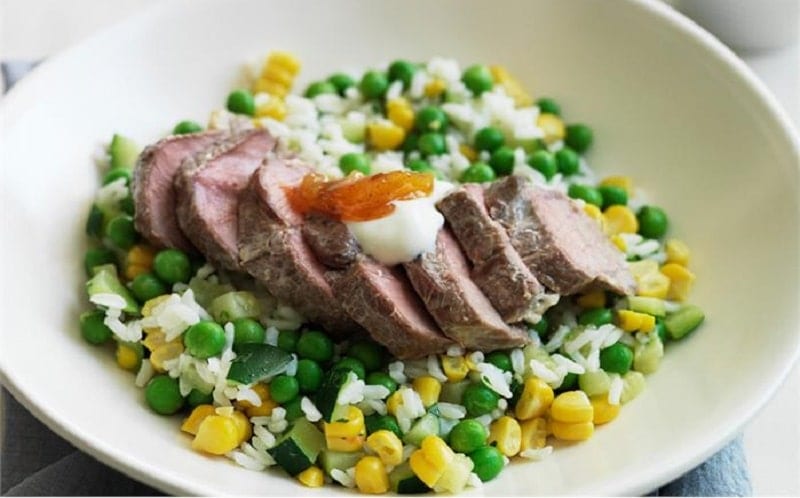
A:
36,462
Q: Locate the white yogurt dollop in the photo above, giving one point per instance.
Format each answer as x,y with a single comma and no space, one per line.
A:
406,233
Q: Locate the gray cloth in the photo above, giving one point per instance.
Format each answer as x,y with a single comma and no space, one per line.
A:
35,461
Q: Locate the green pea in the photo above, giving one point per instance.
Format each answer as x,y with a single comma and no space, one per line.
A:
616,358
420,166
94,222
488,462
477,173
596,317
569,383
431,118
197,397
315,345
541,326
411,143
479,400
549,106
368,353
241,102
544,162
354,161
431,144
500,359
342,82
661,330
121,232
247,331
294,409
146,286
468,435
172,266
478,79
284,388
163,395
489,139
502,161
382,379
115,174
353,365
653,222
589,194
319,88
97,256
309,375
287,340
127,204
376,422
204,339
567,161
579,137
185,127
403,71
373,85
613,195
93,329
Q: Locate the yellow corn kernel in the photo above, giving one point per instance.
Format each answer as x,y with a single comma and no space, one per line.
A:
677,252
632,321
511,85
506,432
572,431
533,433
243,426
535,399
387,445
594,213
278,74
455,476
399,112
642,268
127,357
345,444
654,284
385,135
346,434
284,60
154,337
312,477
371,476
147,307
165,352
428,389
193,421
455,368
552,126
468,152
681,281
623,182
271,87
572,407
393,402
139,260
594,299
216,435
273,108
604,411
263,410
619,242
430,461
435,87
619,219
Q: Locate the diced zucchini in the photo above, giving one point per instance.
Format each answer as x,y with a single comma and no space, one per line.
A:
452,392
426,426
594,383
123,151
205,291
255,362
650,305
94,223
298,449
633,383
329,392
105,280
647,357
233,305
353,130
341,460
403,481
684,321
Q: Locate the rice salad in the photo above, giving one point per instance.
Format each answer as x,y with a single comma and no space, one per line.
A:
254,382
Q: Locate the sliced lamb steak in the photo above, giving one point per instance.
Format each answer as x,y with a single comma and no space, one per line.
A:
561,245
381,299
153,189
331,241
272,249
207,190
441,279
497,269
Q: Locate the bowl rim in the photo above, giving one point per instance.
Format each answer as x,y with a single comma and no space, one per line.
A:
16,99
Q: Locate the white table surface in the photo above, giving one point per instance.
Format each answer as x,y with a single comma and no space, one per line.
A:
33,29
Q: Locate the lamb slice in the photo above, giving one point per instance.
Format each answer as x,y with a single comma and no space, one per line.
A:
497,269
276,254
559,243
381,299
153,190
207,190
441,278
331,241
273,178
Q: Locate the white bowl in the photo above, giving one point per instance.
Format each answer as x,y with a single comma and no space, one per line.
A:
669,104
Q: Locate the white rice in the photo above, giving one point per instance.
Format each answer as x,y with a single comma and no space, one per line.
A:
537,454
310,410
245,393
345,478
517,361
495,379
144,374
452,411
352,391
455,350
246,461
557,340
435,369
540,370
396,370
615,390
108,300
272,336
291,367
